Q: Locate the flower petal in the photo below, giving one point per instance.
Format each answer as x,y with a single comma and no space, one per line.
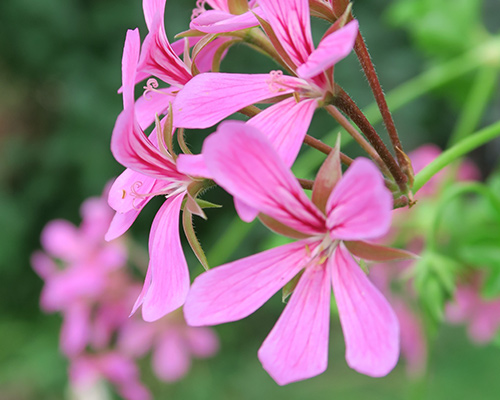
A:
169,270
370,326
297,347
193,165
171,359
331,50
122,194
290,21
215,21
360,206
120,223
244,163
210,97
235,290
285,124
152,104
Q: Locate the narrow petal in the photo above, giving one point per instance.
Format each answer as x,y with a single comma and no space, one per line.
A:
61,239
130,59
245,212
331,50
235,290
285,124
290,21
75,331
210,97
360,206
152,8
203,342
244,163
120,223
370,326
159,59
297,347
169,270
215,21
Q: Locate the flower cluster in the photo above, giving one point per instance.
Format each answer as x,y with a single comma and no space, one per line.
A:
335,228
87,282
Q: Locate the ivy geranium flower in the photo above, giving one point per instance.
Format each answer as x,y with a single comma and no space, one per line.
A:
245,164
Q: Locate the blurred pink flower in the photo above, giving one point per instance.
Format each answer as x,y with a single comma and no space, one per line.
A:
244,163
481,316
171,342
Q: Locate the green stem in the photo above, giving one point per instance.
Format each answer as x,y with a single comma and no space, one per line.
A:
460,149
229,241
476,103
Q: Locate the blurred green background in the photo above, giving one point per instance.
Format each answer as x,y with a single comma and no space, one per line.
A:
59,72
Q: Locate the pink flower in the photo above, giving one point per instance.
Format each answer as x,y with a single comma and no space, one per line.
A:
86,371
161,59
482,316
172,343
88,261
152,171
210,97
244,163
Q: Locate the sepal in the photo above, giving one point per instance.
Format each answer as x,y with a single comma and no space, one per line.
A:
378,253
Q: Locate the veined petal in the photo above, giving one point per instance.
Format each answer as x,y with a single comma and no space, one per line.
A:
235,290
152,8
133,149
169,270
210,97
360,206
244,163
370,326
205,57
130,59
290,21
331,50
216,21
159,59
285,124
297,347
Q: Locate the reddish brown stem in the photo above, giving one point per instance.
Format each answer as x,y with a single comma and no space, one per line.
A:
365,145
306,184
324,148
369,70
349,107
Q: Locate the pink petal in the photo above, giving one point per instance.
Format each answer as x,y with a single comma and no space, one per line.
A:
285,124
297,347
43,265
169,270
120,223
123,194
219,5
75,331
215,21
203,342
235,290
290,21
130,59
360,206
370,326
244,163
331,50
159,59
153,103
171,359
210,97
245,212
193,165
152,8
205,57
61,239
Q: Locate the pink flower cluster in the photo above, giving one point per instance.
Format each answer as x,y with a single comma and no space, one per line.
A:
251,161
87,282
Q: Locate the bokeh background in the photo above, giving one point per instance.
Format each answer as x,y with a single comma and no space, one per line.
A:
60,66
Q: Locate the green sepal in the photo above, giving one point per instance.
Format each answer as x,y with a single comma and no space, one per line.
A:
290,286
187,223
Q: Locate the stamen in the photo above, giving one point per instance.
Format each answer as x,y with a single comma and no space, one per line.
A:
169,190
200,9
151,86
274,81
